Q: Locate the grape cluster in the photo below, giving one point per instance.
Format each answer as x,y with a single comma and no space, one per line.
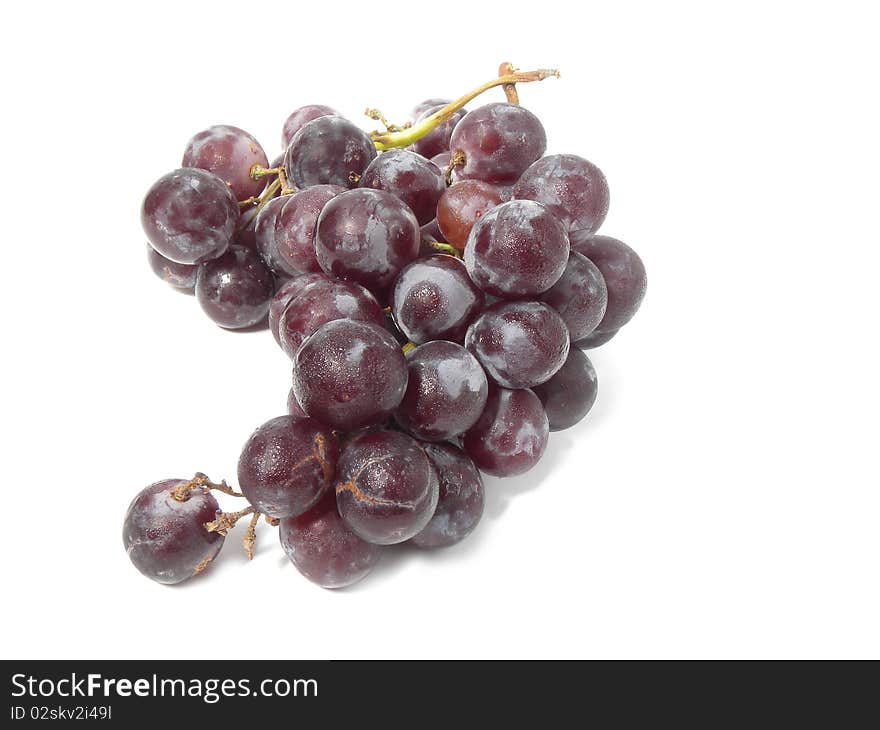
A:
434,285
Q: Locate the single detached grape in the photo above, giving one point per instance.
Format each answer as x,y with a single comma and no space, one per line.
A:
293,406
624,275
286,465
418,182
324,549
386,488
594,339
295,224
285,294
496,143
166,538
419,109
181,276
189,215
302,116
511,435
445,394
569,395
266,242
349,375
437,140
434,299
520,344
324,300
517,249
460,504
230,153
328,151
580,296
235,289
367,236
574,190
460,207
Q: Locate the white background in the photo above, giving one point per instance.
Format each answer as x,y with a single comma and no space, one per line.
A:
721,500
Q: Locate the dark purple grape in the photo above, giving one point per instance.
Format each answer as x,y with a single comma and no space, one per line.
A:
235,289
189,216
419,109
324,549
442,160
418,182
328,151
431,232
460,504
284,295
165,538
295,227
624,275
460,207
569,395
520,344
302,116
445,394
246,230
367,236
324,300
594,339
580,296
180,276
496,143
574,190
230,153
517,249
286,465
436,141
434,299
293,406
386,488
393,330
349,375
266,241
511,435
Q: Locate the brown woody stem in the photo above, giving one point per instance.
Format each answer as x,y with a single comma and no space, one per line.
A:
201,481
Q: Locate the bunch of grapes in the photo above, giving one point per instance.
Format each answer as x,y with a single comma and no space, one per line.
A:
434,284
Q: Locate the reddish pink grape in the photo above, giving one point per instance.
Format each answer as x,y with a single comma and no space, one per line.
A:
235,289
324,300
295,227
511,435
594,339
580,296
166,538
418,182
624,275
569,395
496,143
286,292
189,216
293,406
460,503
286,465
517,249
328,151
180,276
436,141
419,109
434,299
460,207
445,393
230,153
349,375
574,190
324,549
302,116
386,488
520,344
367,236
